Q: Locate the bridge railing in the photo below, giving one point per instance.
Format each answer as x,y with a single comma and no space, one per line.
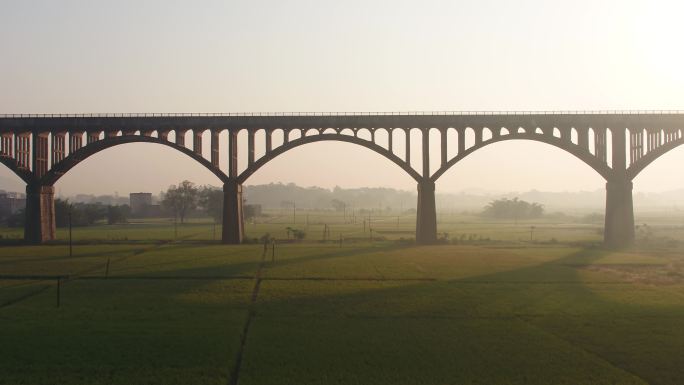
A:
364,113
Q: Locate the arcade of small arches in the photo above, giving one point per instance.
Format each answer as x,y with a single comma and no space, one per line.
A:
40,149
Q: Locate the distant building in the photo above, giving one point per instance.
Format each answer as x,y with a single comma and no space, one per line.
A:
11,202
140,203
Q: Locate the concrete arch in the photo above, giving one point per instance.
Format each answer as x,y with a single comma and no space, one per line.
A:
24,174
61,168
326,137
650,156
584,156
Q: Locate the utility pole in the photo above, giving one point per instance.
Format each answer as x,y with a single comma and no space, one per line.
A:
59,294
273,243
71,247
175,225
344,212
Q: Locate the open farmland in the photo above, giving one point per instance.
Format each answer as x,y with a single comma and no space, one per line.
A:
498,302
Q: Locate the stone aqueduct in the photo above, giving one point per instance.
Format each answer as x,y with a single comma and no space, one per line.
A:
42,148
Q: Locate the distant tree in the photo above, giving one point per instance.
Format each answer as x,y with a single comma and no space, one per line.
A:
181,199
513,209
80,214
338,205
298,234
118,214
62,207
251,211
17,219
210,200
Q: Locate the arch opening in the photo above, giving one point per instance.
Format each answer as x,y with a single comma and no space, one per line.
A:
600,167
277,138
102,172
510,174
382,138
452,143
128,160
283,166
486,134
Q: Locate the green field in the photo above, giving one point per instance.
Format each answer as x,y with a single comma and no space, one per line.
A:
497,303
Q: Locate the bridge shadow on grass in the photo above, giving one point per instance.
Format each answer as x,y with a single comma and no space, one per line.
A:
549,323
552,322
138,332
225,265
78,254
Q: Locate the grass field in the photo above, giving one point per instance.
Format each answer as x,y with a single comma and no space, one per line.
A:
498,303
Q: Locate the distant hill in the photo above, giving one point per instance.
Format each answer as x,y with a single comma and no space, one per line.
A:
276,195
279,195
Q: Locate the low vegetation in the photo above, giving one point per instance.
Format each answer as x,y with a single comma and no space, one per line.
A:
513,209
161,308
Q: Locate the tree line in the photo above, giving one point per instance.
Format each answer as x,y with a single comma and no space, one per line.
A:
513,209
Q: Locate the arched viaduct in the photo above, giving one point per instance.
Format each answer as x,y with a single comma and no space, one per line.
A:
617,145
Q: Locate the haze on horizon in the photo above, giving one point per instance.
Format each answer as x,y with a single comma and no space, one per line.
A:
244,56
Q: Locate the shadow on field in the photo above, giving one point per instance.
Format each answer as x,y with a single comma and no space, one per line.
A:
240,269
78,254
639,333
507,327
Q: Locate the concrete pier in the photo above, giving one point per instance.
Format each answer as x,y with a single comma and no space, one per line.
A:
40,223
233,220
426,215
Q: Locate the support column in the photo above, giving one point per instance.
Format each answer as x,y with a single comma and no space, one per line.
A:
233,223
232,154
426,215
40,154
75,141
58,147
180,137
250,147
6,145
443,145
40,223
214,148
197,142
619,226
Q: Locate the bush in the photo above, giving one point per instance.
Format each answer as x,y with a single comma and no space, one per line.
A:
298,234
513,209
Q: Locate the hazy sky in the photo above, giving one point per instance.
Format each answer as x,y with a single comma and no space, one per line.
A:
383,55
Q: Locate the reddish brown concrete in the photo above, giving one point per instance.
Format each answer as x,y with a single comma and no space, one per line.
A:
40,223
40,154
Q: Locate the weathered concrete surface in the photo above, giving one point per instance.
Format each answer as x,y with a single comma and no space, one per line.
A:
24,149
619,225
426,215
40,223
233,231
